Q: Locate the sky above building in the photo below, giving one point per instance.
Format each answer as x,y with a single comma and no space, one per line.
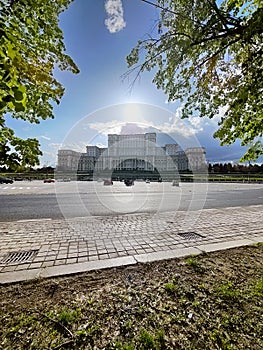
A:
99,35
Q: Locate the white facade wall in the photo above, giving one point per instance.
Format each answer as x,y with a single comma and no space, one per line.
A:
132,152
68,160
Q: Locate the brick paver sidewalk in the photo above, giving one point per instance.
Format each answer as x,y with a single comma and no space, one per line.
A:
45,248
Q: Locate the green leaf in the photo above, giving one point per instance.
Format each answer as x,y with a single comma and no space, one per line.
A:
19,107
18,95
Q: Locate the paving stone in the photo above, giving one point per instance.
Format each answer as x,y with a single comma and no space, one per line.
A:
142,237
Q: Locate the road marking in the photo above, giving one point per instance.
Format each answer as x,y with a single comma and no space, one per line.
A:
18,188
236,207
32,220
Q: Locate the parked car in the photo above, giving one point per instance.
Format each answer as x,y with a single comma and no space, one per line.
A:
147,181
5,180
108,182
129,182
175,183
49,181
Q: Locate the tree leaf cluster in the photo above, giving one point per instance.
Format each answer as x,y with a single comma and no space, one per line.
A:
31,47
209,56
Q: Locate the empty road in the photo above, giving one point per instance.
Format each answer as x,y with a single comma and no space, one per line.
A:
36,200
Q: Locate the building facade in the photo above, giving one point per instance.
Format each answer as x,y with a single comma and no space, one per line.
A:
132,152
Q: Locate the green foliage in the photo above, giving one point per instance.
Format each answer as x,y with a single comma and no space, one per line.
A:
17,153
68,316
218,338
151,342
257,288
119,346
195,264
31,47
170,287
24,321
209,56
227,292
147,340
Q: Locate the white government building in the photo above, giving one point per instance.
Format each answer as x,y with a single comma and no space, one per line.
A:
132,152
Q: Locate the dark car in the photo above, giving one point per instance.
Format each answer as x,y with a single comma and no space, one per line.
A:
19,179
5,180
129,182
49,181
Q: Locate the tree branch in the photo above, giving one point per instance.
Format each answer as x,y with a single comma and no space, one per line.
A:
170,11
160,7
216,53
219,15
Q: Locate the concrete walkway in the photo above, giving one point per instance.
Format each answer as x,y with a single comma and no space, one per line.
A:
45,248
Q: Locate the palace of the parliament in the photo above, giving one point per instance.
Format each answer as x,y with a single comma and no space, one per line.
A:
133,152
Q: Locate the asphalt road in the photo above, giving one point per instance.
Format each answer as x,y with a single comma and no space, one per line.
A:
35,200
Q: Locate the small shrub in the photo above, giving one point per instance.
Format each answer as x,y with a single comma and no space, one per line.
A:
147,340
195,264
170,287
227,291
152,342
68,316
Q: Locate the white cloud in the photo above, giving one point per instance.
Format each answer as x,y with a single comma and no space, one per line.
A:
79,146
196,122
112,127
115,21
55,145
185,128
177,126
45,137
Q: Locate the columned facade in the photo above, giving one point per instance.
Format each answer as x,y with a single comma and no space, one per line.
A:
134,152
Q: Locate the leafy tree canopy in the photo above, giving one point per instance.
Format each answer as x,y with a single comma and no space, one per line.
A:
209,54
31,46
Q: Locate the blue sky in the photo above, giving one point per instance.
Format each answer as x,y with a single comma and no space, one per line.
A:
98,101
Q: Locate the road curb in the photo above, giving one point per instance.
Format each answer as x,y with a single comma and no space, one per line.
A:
70,269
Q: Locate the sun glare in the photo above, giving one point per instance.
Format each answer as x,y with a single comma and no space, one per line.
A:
132,113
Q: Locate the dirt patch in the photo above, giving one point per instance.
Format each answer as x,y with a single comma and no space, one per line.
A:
210,301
